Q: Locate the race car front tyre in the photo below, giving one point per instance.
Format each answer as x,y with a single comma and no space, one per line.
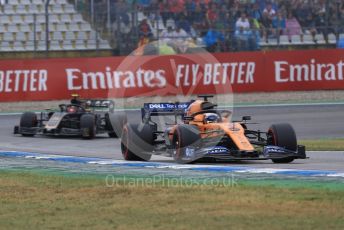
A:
282,135
185,136
115,123
28,120
136,142
88,126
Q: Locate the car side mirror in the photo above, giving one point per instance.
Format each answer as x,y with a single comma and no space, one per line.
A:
246,118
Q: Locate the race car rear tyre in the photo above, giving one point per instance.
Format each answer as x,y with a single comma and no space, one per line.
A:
115,123
136,141
88,126
28,120
283,135
185,136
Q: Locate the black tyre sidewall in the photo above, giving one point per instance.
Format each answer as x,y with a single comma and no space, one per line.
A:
115,124
28,120
136,141
184,137
88,126
283,135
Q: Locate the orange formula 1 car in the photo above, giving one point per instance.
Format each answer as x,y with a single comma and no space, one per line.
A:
196,131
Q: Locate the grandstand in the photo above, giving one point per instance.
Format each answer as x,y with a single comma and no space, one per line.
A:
237,25
23,28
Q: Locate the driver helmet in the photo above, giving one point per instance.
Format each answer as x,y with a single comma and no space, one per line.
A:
72,109
211,118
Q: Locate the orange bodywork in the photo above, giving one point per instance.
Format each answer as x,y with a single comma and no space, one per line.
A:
234,130
207,130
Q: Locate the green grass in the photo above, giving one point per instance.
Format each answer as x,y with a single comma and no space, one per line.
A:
324,145
47,201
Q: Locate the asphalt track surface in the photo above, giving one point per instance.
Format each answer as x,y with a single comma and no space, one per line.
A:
309,121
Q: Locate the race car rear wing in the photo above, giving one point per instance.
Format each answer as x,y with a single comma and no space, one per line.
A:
164,109
100,104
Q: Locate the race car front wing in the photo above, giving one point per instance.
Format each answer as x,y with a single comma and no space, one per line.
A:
223,154
41,130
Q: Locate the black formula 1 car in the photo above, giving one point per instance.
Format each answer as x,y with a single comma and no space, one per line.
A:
198,131
84,118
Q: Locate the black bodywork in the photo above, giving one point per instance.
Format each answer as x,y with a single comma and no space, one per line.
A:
84,118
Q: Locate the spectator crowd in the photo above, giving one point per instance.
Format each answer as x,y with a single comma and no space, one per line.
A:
223,25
